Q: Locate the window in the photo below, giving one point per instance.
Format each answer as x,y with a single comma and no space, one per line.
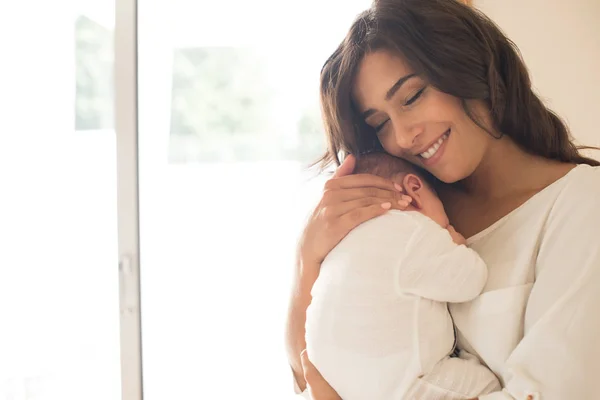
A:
58,281
229,123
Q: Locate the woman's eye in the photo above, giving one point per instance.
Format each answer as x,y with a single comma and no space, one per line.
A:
414,98
408,102
380,126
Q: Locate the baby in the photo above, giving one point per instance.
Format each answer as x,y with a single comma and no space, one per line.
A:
378,327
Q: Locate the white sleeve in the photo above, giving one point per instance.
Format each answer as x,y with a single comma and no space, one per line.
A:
559,356
438,269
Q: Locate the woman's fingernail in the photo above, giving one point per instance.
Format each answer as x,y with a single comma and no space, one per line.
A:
407,198
386,206
398,187
403,203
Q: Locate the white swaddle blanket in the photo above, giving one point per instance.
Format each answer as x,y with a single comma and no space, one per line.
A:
378,326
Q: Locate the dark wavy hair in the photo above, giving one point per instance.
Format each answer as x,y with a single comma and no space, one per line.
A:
460,52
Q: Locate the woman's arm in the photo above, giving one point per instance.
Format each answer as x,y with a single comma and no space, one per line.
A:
318,387
559,356
299,302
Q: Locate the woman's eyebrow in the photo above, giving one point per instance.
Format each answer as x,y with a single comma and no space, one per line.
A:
390,93
397,86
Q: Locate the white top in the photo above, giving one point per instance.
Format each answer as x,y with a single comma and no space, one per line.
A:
537,324
378,318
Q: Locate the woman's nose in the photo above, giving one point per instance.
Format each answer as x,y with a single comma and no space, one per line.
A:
407,135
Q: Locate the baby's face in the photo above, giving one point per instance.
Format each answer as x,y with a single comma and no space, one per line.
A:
425,200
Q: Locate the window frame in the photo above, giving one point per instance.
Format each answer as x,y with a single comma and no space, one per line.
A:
126,127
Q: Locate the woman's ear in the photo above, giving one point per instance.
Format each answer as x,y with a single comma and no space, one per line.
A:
414,188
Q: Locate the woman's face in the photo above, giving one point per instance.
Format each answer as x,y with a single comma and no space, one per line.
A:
417,122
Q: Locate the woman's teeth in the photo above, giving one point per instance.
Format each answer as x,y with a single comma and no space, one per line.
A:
433,149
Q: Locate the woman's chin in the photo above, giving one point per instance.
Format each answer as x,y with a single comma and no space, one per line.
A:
449,176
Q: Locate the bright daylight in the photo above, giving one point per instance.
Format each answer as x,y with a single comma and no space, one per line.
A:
485,286
228,108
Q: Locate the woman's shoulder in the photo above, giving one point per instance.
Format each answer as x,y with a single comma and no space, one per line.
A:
578,184
583,180
579,194
571,230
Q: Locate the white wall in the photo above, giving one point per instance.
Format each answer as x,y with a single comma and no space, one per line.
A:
560,42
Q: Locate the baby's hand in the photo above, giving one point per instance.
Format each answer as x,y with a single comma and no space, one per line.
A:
457,237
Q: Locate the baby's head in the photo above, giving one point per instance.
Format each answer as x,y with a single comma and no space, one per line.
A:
415,182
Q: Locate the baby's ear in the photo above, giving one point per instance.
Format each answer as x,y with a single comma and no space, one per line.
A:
413,186
412,183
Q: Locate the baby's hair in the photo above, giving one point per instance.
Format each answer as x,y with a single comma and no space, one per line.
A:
387,166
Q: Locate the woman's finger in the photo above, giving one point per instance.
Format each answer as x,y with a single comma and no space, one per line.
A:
318,387
346,168
361,180
398,203
335,196
332,212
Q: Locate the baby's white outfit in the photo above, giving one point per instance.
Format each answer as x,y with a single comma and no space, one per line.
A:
378,327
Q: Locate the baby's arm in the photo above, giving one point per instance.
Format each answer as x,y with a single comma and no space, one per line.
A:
437,268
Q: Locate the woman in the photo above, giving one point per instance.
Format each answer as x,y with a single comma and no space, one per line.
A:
437,83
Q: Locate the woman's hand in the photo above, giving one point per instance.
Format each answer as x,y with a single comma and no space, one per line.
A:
348,201
318,388
456,237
